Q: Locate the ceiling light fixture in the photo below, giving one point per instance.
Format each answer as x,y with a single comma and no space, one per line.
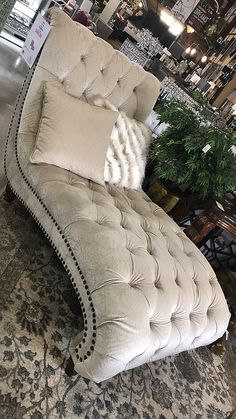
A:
193,51
217,6
166,17
175,26
190,29
176,29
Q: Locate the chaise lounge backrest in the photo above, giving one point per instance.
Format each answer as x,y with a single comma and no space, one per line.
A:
88,66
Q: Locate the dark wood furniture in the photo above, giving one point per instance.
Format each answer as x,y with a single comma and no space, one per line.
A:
8,194
220,214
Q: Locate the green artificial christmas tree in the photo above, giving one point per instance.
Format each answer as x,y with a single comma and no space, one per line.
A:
194,151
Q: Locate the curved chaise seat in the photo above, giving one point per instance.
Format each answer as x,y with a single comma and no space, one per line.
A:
145,289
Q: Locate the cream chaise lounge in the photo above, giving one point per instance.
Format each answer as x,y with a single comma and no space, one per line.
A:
145,290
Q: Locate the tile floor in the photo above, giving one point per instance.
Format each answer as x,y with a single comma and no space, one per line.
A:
12,72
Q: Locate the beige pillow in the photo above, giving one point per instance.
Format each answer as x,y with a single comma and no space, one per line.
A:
73,134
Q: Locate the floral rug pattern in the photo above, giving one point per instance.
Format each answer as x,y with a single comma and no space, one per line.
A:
40,315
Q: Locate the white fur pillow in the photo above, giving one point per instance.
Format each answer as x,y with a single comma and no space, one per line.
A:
127,152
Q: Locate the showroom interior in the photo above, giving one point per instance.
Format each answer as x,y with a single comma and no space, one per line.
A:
118,209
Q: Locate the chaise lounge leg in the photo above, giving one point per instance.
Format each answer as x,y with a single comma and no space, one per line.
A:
69,369
8,194
232,415
218,347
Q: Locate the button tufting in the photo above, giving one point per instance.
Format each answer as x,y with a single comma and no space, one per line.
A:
211,281
189,254
133,250
177,282
196,283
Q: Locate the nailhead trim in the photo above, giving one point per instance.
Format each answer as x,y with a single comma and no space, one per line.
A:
17,113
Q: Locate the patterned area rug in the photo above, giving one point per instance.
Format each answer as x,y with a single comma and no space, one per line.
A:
39,316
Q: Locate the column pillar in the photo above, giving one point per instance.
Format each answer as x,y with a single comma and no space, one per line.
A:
183,9
108,11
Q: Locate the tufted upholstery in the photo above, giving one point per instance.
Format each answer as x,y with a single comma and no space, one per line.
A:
88,66
145,290
154,292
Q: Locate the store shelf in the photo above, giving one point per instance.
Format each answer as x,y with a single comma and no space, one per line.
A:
18,19
9,37
24,4
15,31
21,16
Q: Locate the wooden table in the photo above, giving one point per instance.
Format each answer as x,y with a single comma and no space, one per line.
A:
220,214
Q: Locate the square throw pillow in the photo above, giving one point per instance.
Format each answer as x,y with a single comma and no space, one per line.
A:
73,134
127,151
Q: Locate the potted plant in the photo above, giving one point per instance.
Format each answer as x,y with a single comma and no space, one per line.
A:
194,151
